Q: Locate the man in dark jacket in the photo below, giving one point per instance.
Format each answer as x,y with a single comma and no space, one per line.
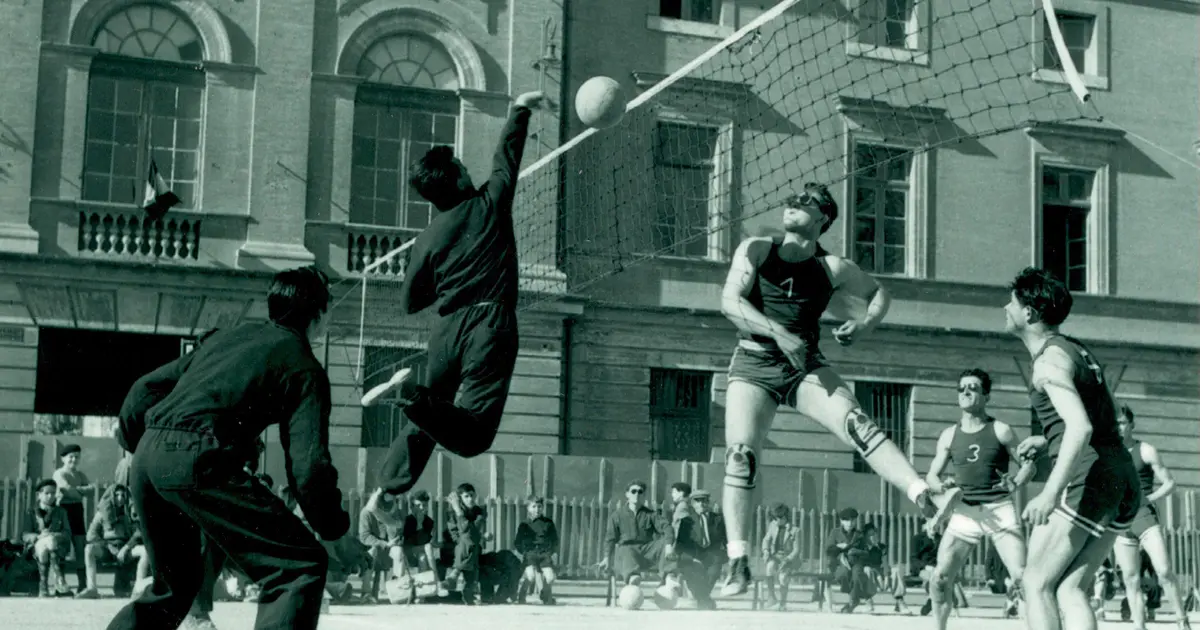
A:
192,424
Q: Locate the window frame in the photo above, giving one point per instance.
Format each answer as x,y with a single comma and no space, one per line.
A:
915,52
722,26
1064,202
369,416
664,413
1096,78
916,229
860,465
719,184
1097,224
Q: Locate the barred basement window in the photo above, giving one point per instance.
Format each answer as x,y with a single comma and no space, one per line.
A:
381,423
888,405
680,402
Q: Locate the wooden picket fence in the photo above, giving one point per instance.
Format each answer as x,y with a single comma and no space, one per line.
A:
582,525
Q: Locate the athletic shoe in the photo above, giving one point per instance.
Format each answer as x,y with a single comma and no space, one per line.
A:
937,508
88,593
397,390
738,581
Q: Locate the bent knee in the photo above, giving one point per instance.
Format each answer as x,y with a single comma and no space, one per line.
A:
1033,581
475,446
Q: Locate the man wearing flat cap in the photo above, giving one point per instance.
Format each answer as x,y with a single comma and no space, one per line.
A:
846,551
702,538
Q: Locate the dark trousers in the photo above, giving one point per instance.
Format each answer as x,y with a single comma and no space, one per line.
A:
472,353
214,563
182,493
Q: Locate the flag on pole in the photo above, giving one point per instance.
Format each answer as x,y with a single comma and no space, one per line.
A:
158,198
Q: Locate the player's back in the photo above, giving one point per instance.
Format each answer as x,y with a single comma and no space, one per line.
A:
240,381
792,294
473,251
1093,392
979,461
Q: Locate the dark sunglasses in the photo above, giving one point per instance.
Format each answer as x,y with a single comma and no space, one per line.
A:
805,198
637,490
970,387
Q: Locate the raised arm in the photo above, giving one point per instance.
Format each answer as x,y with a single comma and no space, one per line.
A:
940,458
1008,438
739,282
1054,373
309,467
506,164
851,280
1166,482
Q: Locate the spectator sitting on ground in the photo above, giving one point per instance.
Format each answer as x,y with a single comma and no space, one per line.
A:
110,538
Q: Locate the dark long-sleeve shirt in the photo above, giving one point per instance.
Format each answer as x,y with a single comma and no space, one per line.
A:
469,527
924,552
235,384
468,254
418,534
840,536
627,527
539,535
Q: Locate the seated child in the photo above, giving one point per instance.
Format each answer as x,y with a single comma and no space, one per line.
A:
537,542
781,554
51,540
110,538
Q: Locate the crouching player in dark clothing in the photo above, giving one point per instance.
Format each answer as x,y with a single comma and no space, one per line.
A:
190,425
537,542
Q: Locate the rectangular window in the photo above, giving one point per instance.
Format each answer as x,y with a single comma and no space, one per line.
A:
882,182
388,136
1078,33
707,11
133,118
680,404
689,189
888,405
1066,204
381,423
889,23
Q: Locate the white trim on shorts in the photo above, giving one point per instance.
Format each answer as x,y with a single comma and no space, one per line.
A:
1093,528
1138,542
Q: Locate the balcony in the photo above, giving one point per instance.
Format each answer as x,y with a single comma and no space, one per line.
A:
102,231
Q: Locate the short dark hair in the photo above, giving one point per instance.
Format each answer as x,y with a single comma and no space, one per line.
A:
421,496
435,177
985,379
45,483
1042,293
465,487
781,511
1127,412
298,297
535,500
816,195
639,484
685,488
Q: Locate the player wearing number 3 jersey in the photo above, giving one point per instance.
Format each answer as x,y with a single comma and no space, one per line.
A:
979,450
775,294
1093,489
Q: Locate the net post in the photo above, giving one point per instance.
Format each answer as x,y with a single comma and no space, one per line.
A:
1064,55
359,377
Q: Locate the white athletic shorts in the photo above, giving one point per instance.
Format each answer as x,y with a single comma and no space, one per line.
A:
970,523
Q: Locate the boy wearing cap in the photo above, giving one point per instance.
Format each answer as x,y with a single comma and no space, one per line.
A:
72,484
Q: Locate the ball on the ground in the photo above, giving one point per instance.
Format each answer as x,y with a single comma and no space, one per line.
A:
631,597
600,102
666,597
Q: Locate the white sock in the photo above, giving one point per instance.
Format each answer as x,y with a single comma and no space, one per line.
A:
917,489
737,549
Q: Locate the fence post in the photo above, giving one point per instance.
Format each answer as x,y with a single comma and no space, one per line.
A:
529,476
547,476
603,492
494,465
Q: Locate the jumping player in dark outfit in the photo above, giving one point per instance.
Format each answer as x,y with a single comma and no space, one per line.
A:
192,424
1092,489
775,294
466,263
1145,534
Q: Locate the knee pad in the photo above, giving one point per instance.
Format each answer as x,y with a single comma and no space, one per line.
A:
864,434
741,466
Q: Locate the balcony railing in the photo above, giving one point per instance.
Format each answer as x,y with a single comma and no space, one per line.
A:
125,234
366,249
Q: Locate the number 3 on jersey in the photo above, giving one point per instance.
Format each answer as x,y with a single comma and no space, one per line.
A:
974,456
1092,365
787,283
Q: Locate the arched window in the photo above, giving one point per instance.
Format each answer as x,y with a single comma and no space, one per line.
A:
145,106
407,106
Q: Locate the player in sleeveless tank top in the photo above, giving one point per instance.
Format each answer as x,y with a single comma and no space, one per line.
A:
775,294
978,449
1146,534
1092,490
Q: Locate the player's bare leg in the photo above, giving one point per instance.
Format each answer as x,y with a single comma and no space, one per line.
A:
1067,559
952,555
1010,546
396,390
749,412
825,397
1155,546
1129,559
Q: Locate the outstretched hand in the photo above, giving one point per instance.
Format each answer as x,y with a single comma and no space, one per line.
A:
532,100
845,333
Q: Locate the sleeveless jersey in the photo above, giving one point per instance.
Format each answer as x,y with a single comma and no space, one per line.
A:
1145,471
792,294
1089,382
979,462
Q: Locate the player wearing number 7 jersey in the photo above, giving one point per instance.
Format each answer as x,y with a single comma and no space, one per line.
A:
775,294
1092,491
